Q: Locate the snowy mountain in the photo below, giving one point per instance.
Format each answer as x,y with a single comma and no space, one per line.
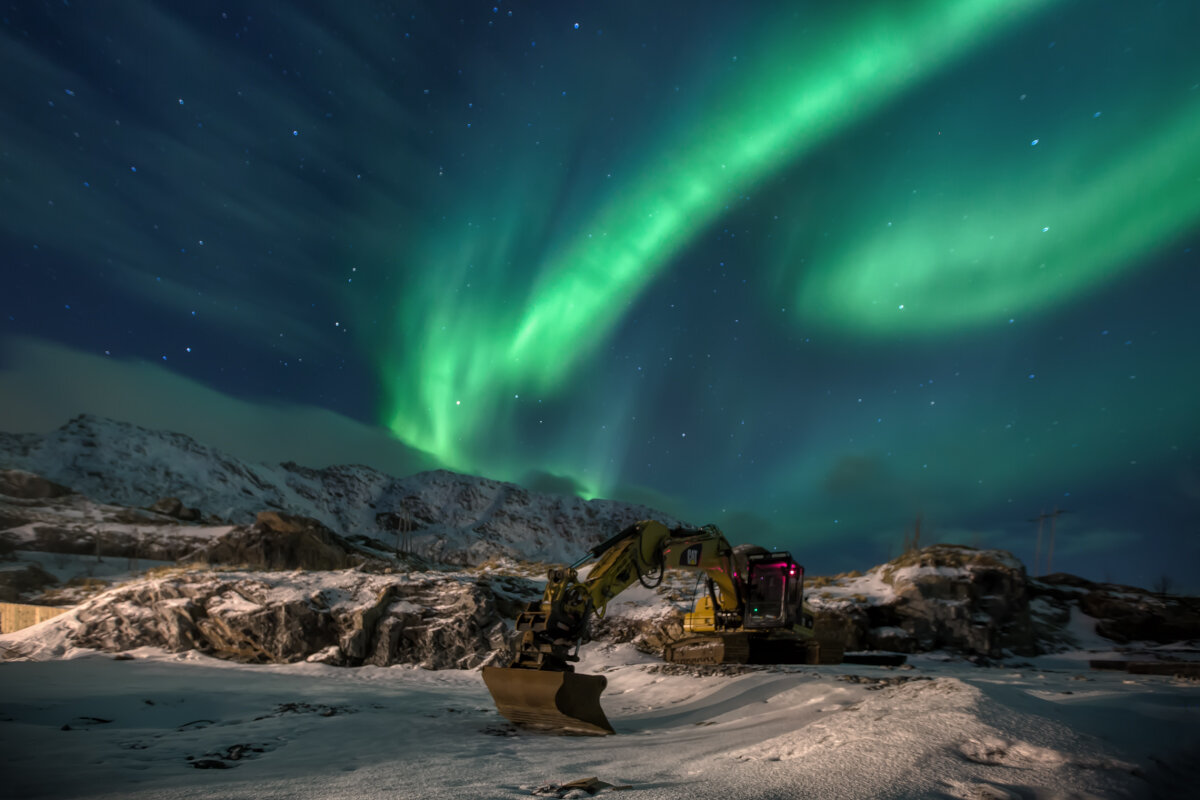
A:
456,519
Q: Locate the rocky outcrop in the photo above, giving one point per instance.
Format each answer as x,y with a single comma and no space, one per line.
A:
71,523
27,486
648,633
1124,613
981,603
940,597
174,507
846,624
347,618
154,543
279,541
75,525
19,580
972,601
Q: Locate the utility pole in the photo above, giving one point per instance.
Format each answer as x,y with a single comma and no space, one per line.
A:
1053,518
1037,553
1037,550
133,558
401,522
915,542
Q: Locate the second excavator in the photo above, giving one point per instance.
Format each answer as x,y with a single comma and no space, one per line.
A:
751,612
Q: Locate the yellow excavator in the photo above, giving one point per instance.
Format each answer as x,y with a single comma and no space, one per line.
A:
752,612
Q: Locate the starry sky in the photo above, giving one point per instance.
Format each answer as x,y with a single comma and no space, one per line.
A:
806,270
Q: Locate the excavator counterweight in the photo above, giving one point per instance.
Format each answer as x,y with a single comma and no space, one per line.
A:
550,700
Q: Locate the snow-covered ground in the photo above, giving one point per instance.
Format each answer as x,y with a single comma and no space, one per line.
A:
93,726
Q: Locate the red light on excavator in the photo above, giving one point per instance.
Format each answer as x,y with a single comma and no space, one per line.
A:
792,571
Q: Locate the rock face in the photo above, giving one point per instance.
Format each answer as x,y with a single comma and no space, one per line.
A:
348,618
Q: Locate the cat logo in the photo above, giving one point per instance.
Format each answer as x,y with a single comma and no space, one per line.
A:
691,556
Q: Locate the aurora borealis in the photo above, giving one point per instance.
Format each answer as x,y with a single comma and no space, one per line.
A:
804,270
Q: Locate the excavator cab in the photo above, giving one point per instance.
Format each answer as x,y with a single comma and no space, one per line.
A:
774,590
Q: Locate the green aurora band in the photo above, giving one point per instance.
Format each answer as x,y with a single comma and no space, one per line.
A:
1011,241
796,99
1017,242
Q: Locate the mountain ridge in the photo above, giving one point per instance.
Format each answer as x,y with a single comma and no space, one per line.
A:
453,518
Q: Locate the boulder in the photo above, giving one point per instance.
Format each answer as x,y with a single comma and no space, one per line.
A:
246,623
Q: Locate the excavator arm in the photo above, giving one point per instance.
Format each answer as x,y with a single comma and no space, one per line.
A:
554,627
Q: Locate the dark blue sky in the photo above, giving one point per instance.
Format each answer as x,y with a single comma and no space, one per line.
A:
806,271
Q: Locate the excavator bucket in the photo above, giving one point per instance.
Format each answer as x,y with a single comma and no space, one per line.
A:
561,701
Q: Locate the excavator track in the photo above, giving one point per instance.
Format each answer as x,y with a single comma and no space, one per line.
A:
739,648
728,649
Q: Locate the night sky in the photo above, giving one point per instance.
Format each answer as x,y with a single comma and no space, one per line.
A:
806,270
